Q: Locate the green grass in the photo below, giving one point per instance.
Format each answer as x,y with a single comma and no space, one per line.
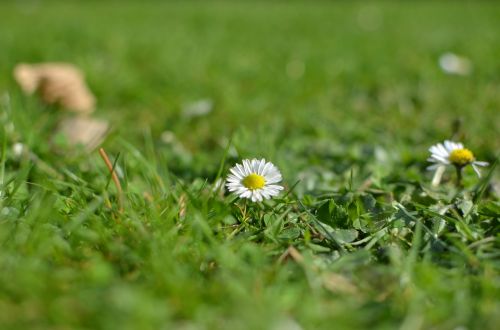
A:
345,98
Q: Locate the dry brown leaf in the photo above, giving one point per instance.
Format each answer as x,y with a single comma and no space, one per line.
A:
84,131
57,83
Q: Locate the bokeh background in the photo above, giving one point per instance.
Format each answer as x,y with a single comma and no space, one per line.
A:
345,70
345,97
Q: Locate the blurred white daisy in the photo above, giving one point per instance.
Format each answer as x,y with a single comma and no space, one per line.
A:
455,64
453,153
18,149
254,179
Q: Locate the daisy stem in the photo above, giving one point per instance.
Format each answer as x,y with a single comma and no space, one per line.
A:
459,176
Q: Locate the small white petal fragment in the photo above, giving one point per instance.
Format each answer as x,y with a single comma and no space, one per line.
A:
198,108
18,149
438,175
454,64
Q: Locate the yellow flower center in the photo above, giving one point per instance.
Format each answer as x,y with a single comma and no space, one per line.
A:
461,157
254,181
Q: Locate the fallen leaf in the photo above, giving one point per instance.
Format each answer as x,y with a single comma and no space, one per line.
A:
83,131
62,84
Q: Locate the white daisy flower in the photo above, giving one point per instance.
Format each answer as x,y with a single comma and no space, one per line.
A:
254,179
453,153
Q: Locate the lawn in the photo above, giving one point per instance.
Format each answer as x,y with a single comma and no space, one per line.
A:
345,98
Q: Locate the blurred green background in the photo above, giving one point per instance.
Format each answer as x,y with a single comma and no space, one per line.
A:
332,92
366,69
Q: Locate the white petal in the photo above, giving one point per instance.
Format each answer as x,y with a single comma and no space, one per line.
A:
236,189
443,150
271,170
254,165
261,166
265,194
241,169
450,146
438,175
234,178
272,192
268,167
257,165
241,190
439,150
478,163
248,167
273,175
233,183
476,170
438,159
275,186
236,173
275,179
433,149
433,167
246,194
457,145
256,196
